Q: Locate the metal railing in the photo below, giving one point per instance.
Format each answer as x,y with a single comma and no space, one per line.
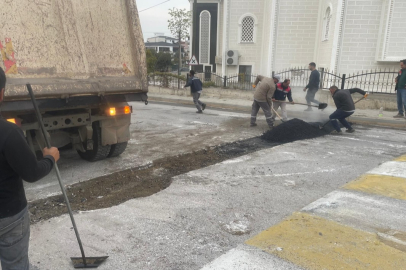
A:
374,81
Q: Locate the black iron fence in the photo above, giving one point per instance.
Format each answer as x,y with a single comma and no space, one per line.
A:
374,81
166,80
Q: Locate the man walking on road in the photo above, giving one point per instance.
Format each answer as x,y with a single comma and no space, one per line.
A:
345,108
17,162
313,86
196,87
263,99
401,89
283,90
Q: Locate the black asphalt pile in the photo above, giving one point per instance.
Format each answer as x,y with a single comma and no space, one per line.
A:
293,130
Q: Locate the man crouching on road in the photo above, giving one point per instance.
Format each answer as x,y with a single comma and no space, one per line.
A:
345,107
263,99
196,87
17,162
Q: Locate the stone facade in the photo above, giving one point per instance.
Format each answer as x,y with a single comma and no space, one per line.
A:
361,35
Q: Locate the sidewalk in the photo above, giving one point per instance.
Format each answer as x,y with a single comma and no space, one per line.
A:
359,226
363,117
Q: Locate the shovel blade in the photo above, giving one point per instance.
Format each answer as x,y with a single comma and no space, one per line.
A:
322,106
91,262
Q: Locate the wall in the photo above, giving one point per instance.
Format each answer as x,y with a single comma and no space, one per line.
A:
296,34
250,53
362,37
325,48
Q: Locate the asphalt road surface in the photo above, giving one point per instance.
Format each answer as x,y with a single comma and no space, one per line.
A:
206,212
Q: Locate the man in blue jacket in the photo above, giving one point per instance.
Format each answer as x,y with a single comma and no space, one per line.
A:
196,87
313,86
17,162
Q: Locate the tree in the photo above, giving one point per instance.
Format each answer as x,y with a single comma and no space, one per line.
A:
164,61
151,60
179,25
176,57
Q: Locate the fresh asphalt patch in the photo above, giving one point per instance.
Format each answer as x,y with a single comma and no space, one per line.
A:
114,189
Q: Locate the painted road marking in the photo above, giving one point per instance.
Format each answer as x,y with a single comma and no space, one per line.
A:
374,214
402,158
246,258
389,186
391,168
317,243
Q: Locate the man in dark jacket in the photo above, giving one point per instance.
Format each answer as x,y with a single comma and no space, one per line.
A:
196,87
345,107
313,86
283,90
401,90
17,162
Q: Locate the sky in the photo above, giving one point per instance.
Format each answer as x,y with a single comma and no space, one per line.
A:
156,19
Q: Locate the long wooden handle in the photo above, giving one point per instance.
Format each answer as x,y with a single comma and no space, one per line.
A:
297,103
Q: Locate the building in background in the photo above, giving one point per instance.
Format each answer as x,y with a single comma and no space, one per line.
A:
261,36
161,43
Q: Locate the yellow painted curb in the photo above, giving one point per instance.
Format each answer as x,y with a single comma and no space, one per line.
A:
389,186
316,243
402,158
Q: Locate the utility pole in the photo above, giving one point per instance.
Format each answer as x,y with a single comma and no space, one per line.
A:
195,30
180,52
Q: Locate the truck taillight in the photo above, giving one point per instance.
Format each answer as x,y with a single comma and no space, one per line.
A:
12,120
127,110
112,111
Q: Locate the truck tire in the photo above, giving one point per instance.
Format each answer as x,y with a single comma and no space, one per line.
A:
99,151
117,149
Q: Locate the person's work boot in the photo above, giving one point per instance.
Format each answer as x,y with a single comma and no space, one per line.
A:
399,116
351,130
199,111
335,132
253,124
204,106
308,109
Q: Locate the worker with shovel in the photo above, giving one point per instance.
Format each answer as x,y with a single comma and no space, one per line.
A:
345,108
17,162
283,90
263,99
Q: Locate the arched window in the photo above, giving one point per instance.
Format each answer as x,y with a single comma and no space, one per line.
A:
205,28
326,24
247,29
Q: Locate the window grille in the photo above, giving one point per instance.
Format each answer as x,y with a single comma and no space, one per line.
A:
205,23
247,29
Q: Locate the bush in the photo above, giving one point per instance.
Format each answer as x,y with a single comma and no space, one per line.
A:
209,84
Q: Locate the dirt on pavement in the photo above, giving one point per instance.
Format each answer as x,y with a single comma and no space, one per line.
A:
110,190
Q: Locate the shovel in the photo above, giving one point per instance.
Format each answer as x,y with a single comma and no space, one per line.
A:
321,106
78,262
278,115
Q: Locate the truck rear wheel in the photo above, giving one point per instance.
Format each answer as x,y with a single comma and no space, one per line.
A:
99,151
117,149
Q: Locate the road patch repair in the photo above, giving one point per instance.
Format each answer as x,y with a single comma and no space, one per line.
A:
360,226
294,130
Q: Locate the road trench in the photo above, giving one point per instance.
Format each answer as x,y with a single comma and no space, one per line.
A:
113,189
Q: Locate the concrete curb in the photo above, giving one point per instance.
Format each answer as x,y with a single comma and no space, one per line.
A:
241,108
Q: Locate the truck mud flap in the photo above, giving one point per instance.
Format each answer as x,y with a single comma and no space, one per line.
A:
115,130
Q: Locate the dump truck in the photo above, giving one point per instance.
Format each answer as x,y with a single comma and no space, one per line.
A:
85,61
